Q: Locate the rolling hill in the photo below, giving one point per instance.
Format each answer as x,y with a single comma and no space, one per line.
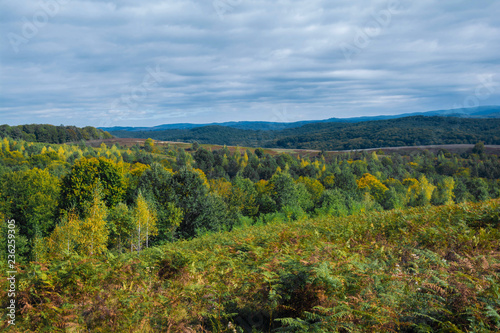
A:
406,131
478,112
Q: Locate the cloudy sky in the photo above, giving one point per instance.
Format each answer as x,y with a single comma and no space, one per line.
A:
142,63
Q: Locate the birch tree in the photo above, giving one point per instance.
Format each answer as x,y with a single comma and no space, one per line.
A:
93,231
145,221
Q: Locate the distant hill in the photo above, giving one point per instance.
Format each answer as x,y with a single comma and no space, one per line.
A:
52,134
478,112
407,131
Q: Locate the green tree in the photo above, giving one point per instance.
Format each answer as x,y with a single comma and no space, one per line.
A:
85,175
159,187
345,180
214,216
120,224
204,160
191,190
393,199
479,148
333,202
244,196
149,145
461,192
285,192
31,198
478,188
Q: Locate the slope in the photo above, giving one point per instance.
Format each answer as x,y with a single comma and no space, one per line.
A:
427,269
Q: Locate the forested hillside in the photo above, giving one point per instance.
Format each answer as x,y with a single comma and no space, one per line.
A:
86,217
52,134
408,131
481,112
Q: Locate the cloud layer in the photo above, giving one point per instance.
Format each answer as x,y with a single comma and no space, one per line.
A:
105,63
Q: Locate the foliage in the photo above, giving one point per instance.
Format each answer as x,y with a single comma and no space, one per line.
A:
422,269
85,175
41,183
31,196
419,192
120,225
371,184
52,134
145,222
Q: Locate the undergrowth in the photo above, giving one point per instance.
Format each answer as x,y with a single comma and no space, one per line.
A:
432,269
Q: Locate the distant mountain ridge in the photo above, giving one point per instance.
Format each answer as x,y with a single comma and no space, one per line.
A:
480,112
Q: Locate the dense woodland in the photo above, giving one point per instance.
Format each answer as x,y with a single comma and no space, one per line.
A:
155,237
52,134
408,131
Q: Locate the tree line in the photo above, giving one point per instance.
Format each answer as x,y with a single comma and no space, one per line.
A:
52,134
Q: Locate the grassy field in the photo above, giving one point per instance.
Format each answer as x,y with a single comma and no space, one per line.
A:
418,270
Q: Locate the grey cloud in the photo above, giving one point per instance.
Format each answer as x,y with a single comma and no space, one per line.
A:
260,58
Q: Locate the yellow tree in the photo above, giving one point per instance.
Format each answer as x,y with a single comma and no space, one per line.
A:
443,195
6,145
244,161
447,190
145,221
313,186
93,231
63,238
262,186
419,192
329,181
222,187
61,154
371,184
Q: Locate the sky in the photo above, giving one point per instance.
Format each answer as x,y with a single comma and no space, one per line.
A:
146,63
